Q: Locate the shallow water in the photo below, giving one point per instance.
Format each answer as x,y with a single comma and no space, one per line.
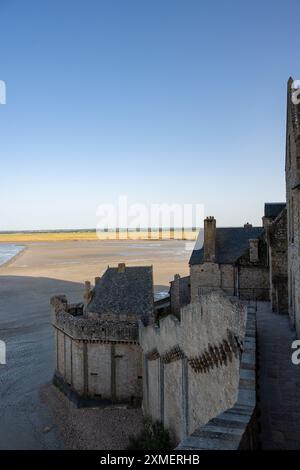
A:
161,294
8,251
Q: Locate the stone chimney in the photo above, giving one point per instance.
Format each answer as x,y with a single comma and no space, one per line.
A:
253,250
247,225
175,296
209,239
87,292
121,267
97,279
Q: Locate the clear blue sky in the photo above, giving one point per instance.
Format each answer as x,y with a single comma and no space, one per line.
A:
165,101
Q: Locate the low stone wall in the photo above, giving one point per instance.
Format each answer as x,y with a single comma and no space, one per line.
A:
235,428
191,366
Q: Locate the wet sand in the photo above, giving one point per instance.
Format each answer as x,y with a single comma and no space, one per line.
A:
26,284
83,260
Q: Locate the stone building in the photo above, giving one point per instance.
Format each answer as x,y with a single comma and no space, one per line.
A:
275,223
233,259
272,210
292,170
98,356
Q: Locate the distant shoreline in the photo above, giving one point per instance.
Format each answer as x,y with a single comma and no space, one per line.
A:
94,230
90,235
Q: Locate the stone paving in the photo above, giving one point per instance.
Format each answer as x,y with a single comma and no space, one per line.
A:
278,380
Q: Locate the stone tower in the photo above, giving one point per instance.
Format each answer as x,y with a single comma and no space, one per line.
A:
292,169
97,353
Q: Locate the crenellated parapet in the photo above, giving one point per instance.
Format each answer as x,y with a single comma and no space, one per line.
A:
69,318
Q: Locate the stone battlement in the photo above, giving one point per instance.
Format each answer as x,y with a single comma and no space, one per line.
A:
70,319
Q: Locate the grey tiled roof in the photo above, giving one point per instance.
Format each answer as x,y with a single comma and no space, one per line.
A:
273,209
121,293
231,244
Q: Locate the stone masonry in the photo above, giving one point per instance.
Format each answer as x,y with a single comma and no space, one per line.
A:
232,259
277,243
96,360
191,365
237,427
292,169
98,356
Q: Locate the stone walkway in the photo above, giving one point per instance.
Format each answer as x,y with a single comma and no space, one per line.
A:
278,380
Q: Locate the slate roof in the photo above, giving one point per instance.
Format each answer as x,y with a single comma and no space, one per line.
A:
231,244
121,293
273,209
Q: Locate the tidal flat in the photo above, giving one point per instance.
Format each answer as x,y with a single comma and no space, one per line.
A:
27,282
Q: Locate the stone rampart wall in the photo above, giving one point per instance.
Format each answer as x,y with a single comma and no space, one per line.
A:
236,428
191,366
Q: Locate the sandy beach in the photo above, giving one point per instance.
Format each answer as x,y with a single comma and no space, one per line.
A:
26,284
77,261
